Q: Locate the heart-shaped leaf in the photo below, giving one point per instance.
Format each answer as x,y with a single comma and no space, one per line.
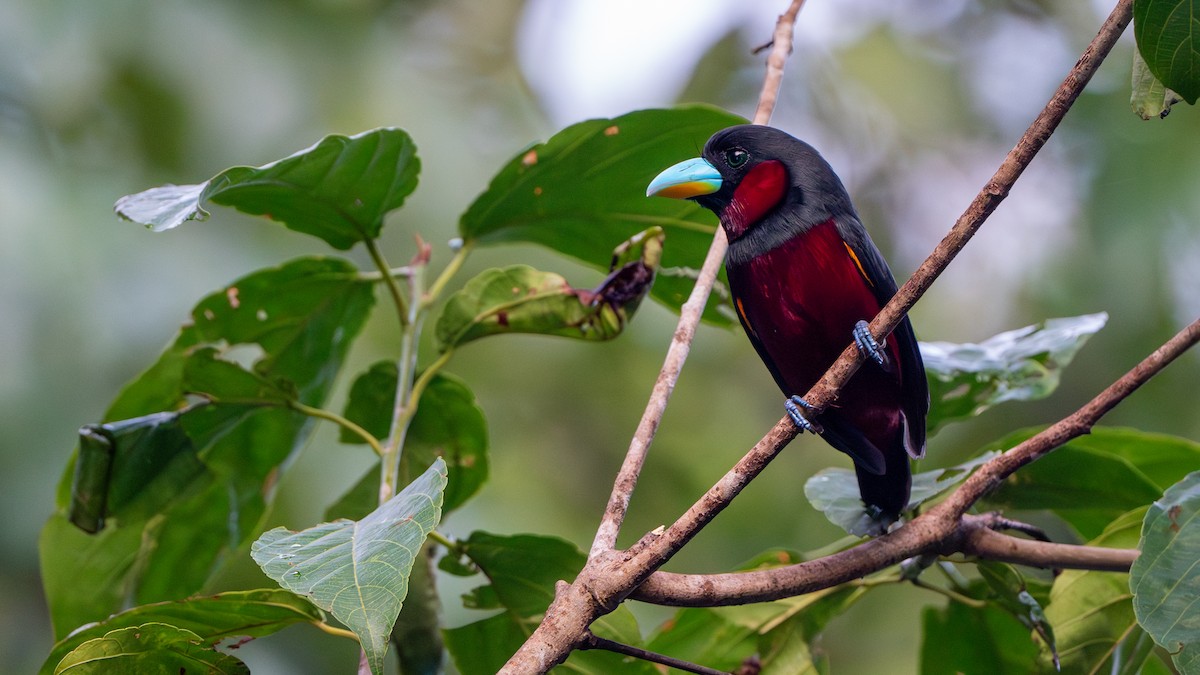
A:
358,571
1165,578
339,189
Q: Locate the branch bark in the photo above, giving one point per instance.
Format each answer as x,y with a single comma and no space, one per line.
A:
611,575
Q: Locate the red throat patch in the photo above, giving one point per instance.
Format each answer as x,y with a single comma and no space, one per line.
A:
760,191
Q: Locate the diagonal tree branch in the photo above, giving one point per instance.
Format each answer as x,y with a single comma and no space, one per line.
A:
689,315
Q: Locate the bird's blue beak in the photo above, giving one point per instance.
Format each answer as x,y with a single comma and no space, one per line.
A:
689,178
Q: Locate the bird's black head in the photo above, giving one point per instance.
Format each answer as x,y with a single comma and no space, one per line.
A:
761,182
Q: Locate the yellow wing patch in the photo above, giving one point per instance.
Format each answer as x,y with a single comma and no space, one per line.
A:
742,313
857,263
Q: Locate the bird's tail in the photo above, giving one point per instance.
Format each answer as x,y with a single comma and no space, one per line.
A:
887,492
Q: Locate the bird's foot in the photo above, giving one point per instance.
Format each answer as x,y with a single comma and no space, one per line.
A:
868,345
796,407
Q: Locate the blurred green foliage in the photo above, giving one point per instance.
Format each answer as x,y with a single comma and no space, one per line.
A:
914,109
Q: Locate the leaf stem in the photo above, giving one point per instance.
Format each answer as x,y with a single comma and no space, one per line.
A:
328,415
334,630
442,539
953,595
394,473
448,272
393,287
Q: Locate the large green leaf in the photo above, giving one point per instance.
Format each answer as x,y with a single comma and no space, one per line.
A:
1168,38
1165,578
358,571
522,570
834,492
586,188
148,649
449,424
962,639
1091,612
1017,365
1097,477
211,618
178,505
339,189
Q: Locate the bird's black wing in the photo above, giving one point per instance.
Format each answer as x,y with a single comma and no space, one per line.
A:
913,385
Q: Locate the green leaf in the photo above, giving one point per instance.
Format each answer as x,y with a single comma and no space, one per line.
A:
586,188
449,424
520,299
1165,578
522,570
962,639
834,492
1168,38
1148,97
148,649
339,189
358,571
188,486
1091,612
212,618
1097,477
1012,595
206,373
1017,365
418,630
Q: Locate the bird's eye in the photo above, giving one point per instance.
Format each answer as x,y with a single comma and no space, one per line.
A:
735,157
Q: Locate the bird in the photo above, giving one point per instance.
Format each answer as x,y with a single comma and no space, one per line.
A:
805,278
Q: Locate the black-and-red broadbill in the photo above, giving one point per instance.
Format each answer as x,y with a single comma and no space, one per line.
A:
805,277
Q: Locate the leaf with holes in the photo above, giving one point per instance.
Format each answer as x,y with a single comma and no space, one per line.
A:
358,571
586,188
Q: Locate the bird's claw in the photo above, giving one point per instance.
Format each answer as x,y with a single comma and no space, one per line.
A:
796,407
868,345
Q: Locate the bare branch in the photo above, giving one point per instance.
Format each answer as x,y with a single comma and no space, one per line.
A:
991,545
689,317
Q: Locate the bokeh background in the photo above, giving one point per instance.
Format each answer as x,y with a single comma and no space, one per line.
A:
914,102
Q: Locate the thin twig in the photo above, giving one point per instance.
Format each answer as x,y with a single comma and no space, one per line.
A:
593,641
689,317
